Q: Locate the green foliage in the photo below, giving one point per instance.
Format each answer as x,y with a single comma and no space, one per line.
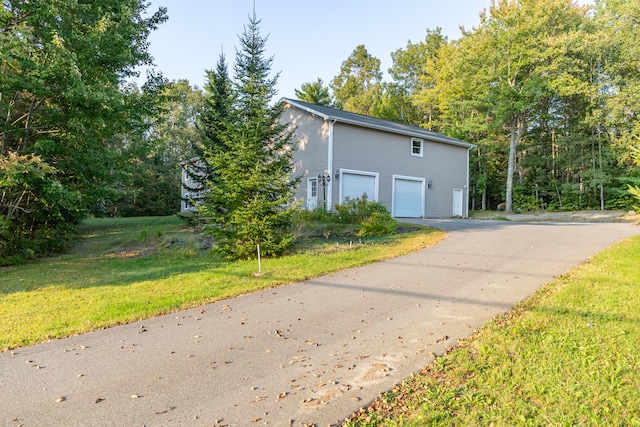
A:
414,76
355,211
248,202
358,86
378,224
314,93
524,202
63,100
635,192
37,213
357,217
154,155
215,115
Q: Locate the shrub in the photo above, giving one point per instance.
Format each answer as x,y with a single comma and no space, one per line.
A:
357,216
378,224
355,211
635,192
38,214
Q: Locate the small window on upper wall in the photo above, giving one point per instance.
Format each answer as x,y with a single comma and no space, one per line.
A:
416,147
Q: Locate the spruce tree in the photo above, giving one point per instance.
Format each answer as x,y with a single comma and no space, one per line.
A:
249,201
211,122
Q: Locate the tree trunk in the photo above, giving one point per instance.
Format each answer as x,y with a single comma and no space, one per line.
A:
517,130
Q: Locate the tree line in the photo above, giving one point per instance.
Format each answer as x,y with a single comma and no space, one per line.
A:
546,89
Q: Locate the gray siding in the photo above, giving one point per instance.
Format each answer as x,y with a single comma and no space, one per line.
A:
312,138
389,154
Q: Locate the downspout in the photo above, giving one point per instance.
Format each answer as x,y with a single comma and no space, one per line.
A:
330,163
466,208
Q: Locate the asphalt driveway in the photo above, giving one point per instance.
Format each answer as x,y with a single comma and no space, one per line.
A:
310,353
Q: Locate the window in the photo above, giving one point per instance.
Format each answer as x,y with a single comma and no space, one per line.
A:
314,187
416,147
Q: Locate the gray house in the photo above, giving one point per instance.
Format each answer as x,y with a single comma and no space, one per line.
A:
414,172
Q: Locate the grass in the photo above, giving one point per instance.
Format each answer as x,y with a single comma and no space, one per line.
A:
569,355
126,269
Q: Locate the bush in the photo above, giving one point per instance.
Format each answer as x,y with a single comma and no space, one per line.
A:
378,224
38,214
635,192
358,216
355,211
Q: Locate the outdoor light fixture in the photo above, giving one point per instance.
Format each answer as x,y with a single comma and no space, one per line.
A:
324,179
430,184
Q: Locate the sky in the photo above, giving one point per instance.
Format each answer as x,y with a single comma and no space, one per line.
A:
307,39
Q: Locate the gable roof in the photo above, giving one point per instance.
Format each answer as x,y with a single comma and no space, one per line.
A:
328,113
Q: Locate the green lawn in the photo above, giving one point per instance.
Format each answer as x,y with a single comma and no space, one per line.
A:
126,269
569,355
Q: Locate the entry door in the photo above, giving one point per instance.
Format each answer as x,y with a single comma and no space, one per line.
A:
312,193
457,202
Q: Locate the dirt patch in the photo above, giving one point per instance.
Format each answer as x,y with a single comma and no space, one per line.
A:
376,371
576,216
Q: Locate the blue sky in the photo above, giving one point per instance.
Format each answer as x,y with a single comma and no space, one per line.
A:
308,39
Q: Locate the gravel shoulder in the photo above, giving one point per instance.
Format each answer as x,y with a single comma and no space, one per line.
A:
575,216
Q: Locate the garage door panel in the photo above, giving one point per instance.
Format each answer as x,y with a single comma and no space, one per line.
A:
407,198
355,185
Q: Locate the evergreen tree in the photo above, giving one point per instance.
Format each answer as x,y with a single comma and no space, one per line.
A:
215,113
358,87
249,200
315,93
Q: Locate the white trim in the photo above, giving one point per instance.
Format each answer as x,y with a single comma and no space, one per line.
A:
375,175
379,124
421,141
423,181
466,187
330,166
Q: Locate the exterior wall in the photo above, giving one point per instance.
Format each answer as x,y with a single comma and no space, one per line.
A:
312,155
388,154
379,153
189,190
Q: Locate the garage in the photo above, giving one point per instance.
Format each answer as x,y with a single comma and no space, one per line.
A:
408,197
355,184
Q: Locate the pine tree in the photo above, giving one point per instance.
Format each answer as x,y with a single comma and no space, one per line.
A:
249,200
211,122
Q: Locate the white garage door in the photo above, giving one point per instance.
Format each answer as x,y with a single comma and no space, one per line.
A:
407,198
355,185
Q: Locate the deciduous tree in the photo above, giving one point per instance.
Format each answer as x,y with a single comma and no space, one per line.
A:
62,66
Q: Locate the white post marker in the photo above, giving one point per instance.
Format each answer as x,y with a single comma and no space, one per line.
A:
259,270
